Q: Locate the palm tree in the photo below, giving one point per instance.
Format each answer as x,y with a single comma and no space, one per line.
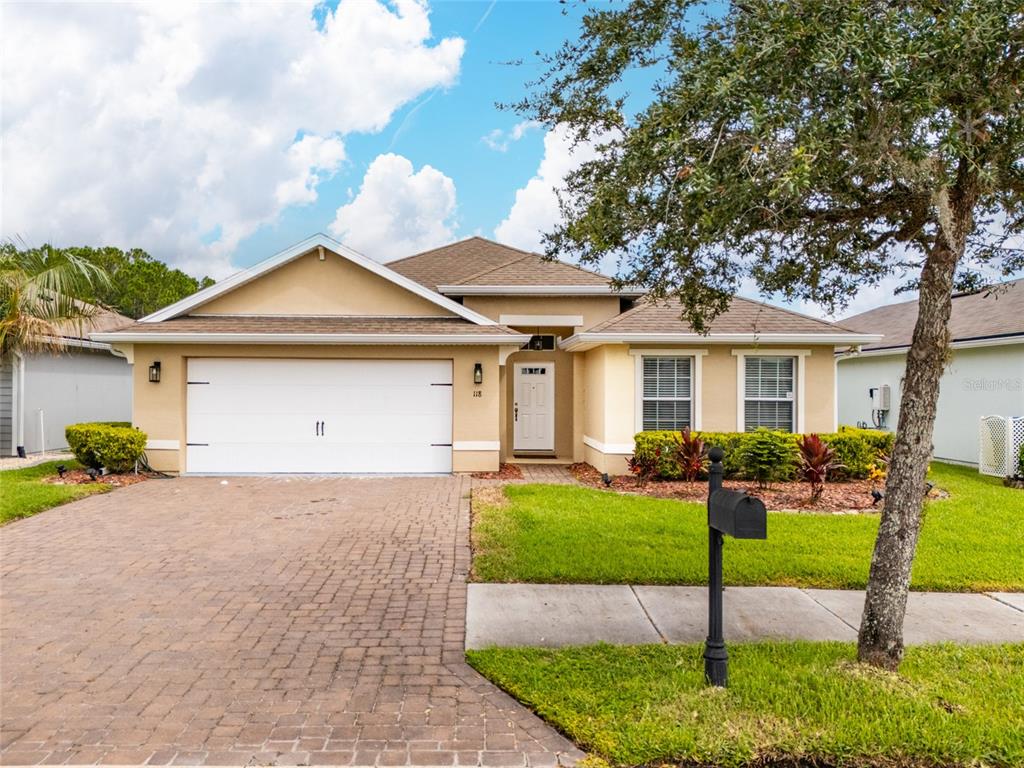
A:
38,304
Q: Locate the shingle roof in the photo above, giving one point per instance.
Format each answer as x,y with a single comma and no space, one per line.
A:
995,311
99,321
360,325
742,316
477,261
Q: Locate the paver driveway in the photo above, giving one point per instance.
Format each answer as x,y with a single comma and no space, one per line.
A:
261,620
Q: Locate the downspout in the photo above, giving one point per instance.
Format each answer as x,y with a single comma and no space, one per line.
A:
17,405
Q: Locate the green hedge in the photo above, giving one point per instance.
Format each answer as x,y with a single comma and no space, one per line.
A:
113,444
856,449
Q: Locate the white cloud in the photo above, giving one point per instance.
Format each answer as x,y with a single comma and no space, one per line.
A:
535,210
398,211
156,124
500,140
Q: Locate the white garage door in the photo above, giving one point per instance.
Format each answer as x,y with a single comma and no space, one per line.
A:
254,415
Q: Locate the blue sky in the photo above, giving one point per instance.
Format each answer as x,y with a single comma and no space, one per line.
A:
214,134
445,127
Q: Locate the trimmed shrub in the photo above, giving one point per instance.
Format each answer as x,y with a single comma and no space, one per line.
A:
854,455
855,449
113,445
1020,461
769,456
881,442
660,446
734,444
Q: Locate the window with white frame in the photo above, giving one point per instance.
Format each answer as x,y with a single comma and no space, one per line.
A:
667,393
769,393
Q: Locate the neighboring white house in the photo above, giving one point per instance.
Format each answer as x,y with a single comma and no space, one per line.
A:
984,375
41,392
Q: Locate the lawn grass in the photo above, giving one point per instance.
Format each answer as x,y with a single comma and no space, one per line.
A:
22,492
787,703
568,534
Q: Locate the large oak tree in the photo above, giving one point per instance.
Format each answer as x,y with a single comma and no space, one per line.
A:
818,147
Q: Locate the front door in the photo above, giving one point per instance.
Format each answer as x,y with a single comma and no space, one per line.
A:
533,409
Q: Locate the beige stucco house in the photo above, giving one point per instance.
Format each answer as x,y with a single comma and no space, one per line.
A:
322,360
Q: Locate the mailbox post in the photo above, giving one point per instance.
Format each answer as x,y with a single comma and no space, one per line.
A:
742,517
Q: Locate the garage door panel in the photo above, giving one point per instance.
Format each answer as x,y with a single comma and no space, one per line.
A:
261,415
235,427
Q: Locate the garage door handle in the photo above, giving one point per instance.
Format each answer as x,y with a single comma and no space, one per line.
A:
322,425
318,429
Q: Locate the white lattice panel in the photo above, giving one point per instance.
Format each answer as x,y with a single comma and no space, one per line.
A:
999,440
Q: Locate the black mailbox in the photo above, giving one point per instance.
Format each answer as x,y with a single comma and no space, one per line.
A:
737,514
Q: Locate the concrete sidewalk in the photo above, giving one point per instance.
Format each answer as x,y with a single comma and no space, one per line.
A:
579,614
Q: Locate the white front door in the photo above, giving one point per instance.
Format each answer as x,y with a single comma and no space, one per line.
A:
533,409
273,415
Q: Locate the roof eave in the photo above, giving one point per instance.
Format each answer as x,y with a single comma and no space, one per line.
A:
972,343
581,342
539,290
361,339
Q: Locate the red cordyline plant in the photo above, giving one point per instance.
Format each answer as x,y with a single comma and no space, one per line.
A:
691,454
816,461
644,468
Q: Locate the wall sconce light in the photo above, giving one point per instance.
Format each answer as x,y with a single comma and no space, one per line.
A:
154,372
478,373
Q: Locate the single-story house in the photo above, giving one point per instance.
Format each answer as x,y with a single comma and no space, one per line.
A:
319,359
42,392
984,374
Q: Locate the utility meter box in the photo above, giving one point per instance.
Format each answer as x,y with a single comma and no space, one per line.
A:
880,398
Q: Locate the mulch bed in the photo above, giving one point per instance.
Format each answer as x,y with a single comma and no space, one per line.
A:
847,497
505,472
79,477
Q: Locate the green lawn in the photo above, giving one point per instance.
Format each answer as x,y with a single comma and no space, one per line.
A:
567,534
787,704
22,492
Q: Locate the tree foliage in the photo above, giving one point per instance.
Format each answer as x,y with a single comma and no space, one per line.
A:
814,145
40,292
139,284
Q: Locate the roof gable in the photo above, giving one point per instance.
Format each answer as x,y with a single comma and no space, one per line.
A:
195,303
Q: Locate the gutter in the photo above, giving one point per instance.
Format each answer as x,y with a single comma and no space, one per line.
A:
972,343
539,290
584,341
310,338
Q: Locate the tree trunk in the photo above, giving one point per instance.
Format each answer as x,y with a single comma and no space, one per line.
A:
880,640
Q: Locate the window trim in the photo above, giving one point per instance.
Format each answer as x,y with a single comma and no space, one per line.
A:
696,383
741,382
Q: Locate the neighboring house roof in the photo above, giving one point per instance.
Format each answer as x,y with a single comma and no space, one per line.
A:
477,266
288,255
99,321
277,329
744,321
992,314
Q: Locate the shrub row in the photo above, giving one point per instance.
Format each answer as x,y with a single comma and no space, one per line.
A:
111,444
856,450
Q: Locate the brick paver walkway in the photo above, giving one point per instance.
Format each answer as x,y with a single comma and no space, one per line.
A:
261,621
